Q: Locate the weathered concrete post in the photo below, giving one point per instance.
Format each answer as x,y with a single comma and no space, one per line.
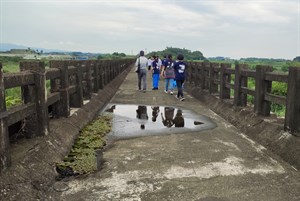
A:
195,74
115,67
201,75
96,77
106,72
101,71
64,103
76,99
240,99
292,114
198,66
112,69
62,108
224,78
213,87
5,159
261,106
192,74
37,94
204,75
41,99
192,77
88,79
109,69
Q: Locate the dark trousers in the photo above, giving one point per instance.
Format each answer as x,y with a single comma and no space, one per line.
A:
179,84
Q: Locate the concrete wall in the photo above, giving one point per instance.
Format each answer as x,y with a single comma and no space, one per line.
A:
267,131
33,161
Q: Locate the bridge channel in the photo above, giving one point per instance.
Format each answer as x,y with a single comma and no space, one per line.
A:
154,162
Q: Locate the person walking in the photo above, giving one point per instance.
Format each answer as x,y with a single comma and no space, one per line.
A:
169,74
180,71
141,66
150,61
155,72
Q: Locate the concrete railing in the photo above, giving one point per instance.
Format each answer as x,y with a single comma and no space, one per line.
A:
71,82
221,80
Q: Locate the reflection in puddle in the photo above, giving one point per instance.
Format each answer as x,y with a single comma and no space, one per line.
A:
143,120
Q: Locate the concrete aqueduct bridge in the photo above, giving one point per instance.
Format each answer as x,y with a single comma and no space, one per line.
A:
216,90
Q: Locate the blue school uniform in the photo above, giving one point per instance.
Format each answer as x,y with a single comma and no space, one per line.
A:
180,71
155,74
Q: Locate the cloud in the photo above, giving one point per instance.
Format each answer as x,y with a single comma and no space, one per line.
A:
234,28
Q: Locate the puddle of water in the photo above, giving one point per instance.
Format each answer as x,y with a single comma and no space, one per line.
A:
143,120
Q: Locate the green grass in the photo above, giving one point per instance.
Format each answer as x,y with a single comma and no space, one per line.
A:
13,96
11,67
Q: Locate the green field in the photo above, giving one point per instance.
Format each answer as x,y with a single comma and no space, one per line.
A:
13,96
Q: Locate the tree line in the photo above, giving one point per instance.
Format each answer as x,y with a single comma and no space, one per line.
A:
188,54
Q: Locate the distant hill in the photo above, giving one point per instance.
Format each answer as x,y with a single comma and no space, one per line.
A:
188,54
8,46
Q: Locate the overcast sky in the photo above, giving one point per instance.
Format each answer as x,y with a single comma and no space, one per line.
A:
232,28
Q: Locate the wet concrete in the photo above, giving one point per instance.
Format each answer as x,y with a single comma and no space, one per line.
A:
217,164
145,120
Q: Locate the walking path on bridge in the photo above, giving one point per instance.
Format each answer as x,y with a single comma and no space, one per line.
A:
219,164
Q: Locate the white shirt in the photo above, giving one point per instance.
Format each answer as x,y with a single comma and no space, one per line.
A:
143,62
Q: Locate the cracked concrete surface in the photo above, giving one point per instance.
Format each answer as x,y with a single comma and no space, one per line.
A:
220,164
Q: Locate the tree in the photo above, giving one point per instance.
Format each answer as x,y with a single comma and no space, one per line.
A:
100,56
297,59
188,54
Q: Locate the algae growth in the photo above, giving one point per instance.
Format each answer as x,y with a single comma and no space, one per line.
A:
82,157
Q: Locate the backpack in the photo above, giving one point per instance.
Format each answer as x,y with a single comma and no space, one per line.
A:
169,70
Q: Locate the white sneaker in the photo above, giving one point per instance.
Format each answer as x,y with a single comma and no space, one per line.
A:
165,91
182,99
171,92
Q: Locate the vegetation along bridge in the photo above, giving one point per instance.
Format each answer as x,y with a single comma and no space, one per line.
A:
50,91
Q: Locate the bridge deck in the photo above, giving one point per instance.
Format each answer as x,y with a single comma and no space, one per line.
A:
220,164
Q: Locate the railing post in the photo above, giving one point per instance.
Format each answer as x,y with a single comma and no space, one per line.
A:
261,106
88,79
109,71
224,78
197,74
292,114
97,76
41,101
205,75
240,99
106,73
192,74
188,73
101,71
5,159
213,88
115,68
38,96
76,100
62,108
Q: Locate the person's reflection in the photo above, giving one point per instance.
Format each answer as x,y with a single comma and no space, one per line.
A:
179,120
141,113
111,109
155,111
169,114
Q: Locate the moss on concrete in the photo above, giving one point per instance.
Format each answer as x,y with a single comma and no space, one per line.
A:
82,158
